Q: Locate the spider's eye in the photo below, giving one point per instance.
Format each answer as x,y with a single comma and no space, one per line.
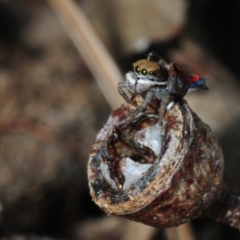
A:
151,73
137,69
144,72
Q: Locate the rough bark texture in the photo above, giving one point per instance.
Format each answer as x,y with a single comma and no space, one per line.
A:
184,180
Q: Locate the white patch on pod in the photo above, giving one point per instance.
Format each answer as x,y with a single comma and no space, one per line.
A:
151,137
170,105
132,171
106,174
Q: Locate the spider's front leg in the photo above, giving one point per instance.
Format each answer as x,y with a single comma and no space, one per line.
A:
140,152
140,108
166,100
121,86
130,84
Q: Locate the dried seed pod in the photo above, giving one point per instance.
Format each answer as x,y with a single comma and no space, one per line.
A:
160,175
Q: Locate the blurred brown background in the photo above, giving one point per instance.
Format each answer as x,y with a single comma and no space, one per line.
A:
51,107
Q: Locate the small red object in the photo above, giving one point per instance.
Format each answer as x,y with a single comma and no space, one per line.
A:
194,78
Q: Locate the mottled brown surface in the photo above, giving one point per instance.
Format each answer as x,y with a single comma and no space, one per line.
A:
179,186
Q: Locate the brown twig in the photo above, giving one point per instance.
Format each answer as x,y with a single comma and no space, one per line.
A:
226,209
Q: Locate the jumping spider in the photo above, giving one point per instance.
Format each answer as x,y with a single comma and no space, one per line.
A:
154,78
158,85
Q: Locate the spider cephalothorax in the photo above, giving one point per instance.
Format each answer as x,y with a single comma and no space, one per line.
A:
154,78
149,70
145,75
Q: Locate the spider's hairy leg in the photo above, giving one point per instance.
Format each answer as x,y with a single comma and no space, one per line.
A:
121,86
177,86
163,106
140,108
145,153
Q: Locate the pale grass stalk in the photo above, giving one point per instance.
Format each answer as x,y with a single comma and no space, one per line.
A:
183,232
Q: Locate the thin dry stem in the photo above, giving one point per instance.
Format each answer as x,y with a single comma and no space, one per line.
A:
136,231
102,67
183,232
